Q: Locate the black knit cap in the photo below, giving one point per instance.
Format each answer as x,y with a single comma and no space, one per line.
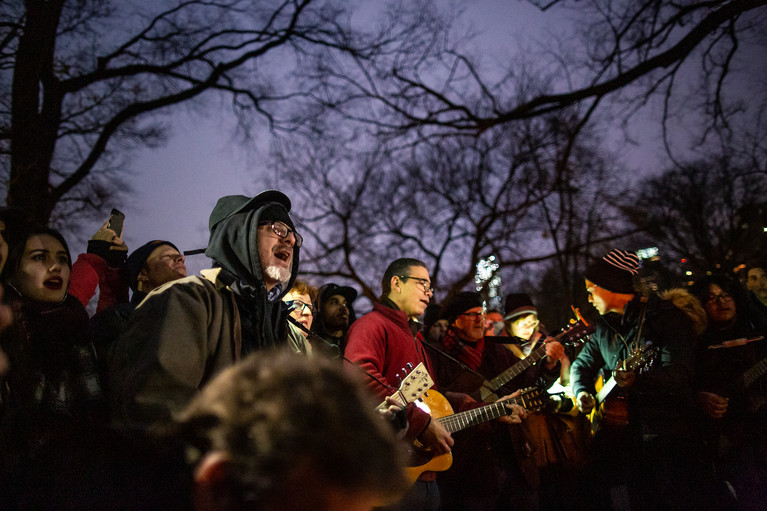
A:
459,304
137,259
518,304
233,204
614,271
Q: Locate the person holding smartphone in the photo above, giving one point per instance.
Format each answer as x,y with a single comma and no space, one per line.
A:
100,266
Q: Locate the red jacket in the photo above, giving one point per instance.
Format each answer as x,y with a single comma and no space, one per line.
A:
91,271
382,344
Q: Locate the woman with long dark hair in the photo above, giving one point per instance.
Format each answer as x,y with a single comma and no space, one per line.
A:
51,382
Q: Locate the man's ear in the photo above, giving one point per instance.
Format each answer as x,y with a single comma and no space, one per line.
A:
395,283
142,278
211,479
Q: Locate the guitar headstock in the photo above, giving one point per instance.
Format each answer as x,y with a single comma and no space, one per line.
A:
413,386
640,357
576,332
532,399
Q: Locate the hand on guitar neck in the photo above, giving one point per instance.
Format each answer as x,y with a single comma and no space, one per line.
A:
624,377
390,407
436,438
518,413
554,353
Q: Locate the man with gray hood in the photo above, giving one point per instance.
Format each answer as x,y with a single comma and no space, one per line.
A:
189,330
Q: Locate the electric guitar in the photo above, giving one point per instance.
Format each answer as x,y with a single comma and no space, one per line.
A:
614,411
413,386
752,401
572,335
532,399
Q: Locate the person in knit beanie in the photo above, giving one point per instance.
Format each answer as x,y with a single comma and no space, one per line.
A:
644,345
609,281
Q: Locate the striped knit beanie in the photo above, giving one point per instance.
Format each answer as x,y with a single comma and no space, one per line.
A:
615,271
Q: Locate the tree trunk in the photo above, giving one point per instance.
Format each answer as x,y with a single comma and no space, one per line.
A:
35,111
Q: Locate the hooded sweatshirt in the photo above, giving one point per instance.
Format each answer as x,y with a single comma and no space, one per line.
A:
187,331
233,247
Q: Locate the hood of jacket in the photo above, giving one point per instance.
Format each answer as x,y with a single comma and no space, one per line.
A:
233,246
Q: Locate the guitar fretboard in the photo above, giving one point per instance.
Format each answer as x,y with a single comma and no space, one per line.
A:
574,333
463,420
517,369
753,374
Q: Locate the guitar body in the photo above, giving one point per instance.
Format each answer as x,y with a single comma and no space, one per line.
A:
421,460
596,415
612,407
434,403
615,412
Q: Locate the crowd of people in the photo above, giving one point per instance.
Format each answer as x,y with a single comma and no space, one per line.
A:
246,387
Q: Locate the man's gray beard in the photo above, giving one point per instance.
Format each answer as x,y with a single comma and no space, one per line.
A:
277,273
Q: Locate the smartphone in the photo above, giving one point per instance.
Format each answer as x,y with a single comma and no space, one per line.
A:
116,219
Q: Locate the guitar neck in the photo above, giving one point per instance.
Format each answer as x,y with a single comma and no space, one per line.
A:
517,369
753,374
573,333
463,420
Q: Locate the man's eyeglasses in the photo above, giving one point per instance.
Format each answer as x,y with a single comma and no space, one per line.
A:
282,230
301,307
529,324
724,298
424,284
473,315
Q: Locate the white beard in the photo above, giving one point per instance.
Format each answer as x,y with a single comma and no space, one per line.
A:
277,273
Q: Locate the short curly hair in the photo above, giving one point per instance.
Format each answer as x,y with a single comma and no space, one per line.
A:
304,288
280,416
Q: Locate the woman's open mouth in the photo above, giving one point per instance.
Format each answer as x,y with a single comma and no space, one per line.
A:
55,283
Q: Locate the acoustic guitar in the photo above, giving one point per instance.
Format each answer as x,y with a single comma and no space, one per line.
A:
614,411
572,335
421,459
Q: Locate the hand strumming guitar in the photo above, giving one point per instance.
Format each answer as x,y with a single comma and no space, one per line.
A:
436,438
586,402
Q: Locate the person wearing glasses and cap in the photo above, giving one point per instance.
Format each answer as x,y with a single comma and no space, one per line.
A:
647,459
187,331
486,471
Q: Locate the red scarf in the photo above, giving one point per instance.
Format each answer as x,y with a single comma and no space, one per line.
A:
470,353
